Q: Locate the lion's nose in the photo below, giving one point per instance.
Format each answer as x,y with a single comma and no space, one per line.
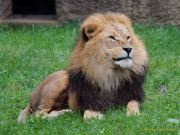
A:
128,50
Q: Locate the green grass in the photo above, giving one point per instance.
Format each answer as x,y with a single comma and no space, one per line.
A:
28,54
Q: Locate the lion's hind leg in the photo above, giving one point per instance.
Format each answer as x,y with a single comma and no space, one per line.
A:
52,114
24,114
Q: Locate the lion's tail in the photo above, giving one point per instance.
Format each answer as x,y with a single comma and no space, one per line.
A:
24,114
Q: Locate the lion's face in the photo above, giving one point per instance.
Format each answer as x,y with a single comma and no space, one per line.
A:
115,43
107,43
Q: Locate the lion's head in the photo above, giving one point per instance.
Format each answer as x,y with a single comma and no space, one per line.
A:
108,50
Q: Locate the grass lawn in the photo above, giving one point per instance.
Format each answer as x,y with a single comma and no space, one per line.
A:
29,53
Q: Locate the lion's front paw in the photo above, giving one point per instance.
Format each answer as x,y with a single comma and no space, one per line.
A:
54,114
92,114
133,108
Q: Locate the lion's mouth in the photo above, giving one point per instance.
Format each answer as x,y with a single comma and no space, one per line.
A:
122,58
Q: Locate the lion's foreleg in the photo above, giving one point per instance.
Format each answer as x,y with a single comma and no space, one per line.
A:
88,114
54,114
133,108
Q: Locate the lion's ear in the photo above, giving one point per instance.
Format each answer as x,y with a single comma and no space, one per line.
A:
89,31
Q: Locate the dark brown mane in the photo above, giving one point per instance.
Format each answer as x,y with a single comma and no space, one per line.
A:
93,97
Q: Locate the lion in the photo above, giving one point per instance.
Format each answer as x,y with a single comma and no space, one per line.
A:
107,69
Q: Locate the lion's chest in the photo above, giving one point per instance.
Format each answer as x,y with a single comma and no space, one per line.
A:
95,98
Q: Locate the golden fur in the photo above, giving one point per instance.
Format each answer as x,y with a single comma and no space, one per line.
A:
95,56
102,39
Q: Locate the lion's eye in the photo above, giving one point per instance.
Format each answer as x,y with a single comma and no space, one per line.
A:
112,37
128,37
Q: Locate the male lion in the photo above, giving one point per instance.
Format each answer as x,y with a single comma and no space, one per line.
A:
107,69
